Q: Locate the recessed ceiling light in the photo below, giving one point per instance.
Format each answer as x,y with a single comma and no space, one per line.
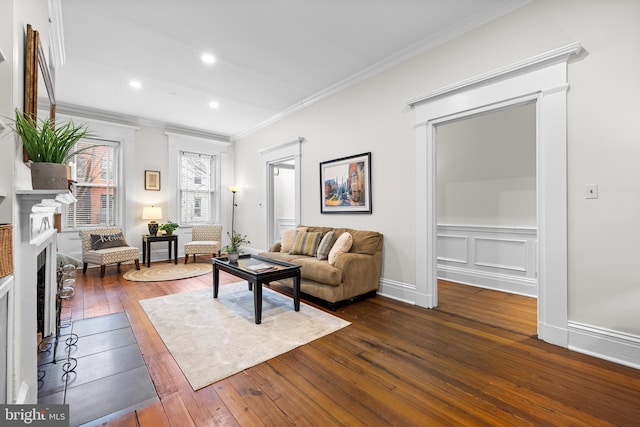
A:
207,58
214,104
135,84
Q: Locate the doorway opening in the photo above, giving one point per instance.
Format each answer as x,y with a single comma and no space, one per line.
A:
543,79
486,215
284,196
282,188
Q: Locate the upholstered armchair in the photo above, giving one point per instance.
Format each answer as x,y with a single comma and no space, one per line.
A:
206,239
103,246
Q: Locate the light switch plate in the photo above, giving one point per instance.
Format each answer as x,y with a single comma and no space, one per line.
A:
591,191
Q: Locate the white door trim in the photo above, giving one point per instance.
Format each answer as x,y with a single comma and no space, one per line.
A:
544,79
274,155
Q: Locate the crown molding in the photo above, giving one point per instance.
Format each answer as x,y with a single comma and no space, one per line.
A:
399,57
129,120
560,54
177,130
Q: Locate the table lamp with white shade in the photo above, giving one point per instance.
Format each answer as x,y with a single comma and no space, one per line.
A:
152,213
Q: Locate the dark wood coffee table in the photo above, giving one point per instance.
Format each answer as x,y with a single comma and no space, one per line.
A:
249,268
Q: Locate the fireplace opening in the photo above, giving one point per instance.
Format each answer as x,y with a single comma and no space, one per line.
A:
41,283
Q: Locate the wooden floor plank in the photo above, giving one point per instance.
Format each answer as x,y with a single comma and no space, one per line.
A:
217,411
176,411
152,416
475,360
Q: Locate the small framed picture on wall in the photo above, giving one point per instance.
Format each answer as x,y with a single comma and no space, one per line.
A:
152,180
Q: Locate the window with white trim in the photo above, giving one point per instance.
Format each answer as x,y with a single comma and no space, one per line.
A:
197,188
96,186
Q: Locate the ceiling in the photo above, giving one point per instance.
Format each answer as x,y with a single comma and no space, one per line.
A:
271,56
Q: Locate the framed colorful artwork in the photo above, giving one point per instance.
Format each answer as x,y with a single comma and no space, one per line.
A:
345,185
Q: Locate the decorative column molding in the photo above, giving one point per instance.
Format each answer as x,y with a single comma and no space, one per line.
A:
541,79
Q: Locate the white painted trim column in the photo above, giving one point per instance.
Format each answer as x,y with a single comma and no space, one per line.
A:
542,79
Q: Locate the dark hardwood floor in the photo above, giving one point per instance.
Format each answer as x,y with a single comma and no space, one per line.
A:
473,361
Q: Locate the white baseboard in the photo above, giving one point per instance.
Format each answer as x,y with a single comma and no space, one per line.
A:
553,334
398,291
498,282
606,344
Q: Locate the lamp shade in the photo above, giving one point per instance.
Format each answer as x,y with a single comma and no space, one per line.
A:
152,213
234,188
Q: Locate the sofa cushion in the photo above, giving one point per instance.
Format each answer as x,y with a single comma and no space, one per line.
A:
364,242
305,243
319,271
342,245
288,237
322,230
280,256
325,245
104,241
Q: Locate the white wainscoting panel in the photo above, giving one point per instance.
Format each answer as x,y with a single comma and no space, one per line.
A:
453,248
284,224
501,258
500,253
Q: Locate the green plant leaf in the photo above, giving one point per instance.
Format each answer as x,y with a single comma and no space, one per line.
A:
46,142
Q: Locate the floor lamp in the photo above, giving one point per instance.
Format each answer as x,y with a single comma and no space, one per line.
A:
234,189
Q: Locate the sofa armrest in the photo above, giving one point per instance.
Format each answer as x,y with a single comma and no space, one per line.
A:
275,247
360,271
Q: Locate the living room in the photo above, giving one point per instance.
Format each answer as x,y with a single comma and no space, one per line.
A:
373,115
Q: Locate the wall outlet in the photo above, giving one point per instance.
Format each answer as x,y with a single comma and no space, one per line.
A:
591,191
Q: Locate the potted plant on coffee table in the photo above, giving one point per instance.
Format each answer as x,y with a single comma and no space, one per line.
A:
233,247
168,227
49,147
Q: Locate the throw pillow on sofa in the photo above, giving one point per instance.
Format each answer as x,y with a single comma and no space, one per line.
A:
325,245
305,243
104,241
287,238
341,246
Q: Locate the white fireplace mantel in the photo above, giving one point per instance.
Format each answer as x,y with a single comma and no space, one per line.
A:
36,235
27,247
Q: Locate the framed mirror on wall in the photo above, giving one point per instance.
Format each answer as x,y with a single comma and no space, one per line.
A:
36,59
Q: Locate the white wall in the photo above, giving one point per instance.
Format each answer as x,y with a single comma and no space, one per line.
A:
487,169
6,110
603,145
14,16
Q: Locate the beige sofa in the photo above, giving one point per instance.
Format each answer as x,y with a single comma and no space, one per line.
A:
354,274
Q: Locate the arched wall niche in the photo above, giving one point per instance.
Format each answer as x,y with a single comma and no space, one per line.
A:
543,80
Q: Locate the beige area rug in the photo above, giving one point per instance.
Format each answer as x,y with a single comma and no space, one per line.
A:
212,339
162,272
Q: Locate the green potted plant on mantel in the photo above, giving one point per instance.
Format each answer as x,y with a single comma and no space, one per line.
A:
168,227
49,148
233,247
